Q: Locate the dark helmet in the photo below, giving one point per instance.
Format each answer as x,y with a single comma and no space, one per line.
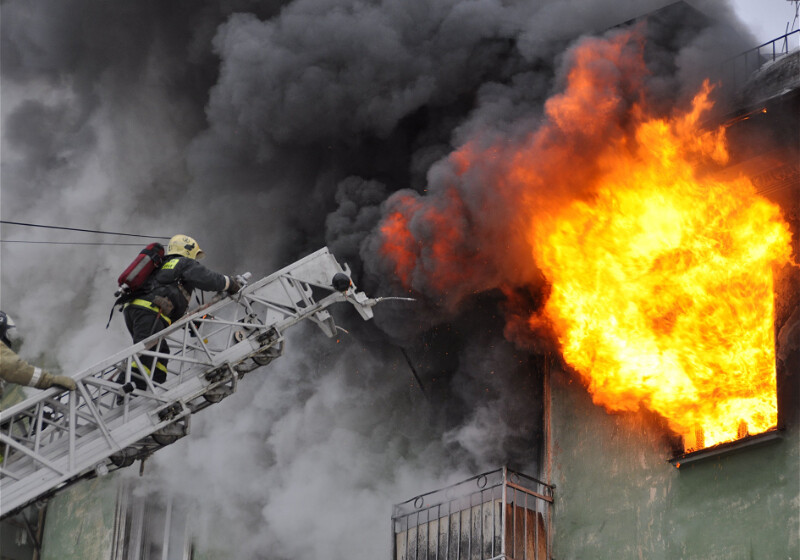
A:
8,329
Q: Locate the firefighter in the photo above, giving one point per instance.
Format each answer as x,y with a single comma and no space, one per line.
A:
164,297
14,369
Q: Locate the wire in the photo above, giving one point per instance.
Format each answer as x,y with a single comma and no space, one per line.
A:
69,243
83,230
414,371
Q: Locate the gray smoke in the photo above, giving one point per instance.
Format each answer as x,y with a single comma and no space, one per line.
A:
267,130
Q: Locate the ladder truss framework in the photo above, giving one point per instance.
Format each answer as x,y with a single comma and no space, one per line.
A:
55,437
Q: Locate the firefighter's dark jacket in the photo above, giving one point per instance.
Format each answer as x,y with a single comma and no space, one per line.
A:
176,279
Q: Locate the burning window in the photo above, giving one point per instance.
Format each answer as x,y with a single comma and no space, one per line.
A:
662,285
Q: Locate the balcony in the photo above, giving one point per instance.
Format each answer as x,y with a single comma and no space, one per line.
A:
496,515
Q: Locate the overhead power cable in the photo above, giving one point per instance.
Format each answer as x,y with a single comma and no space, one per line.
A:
83,230
69,243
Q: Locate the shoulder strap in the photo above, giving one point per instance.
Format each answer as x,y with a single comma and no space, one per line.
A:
121,301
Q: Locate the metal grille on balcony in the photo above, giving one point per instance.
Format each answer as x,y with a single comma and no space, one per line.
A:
496,515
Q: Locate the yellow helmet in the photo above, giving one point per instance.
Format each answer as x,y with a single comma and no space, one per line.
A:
184,246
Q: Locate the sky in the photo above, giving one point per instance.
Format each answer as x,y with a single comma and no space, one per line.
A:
767,19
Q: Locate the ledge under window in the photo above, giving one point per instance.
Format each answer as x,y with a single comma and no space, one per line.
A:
725,448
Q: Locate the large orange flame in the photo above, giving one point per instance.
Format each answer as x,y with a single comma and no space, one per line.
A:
662,284
659,273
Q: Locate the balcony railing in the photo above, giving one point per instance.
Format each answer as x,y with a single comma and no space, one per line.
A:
738,69
496,515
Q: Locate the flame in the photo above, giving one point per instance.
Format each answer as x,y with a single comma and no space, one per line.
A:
399,243
659,273
407,254
662,284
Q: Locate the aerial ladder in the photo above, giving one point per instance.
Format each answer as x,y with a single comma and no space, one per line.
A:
55,438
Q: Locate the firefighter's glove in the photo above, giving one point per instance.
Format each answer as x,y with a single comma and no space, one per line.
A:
62,381
233,285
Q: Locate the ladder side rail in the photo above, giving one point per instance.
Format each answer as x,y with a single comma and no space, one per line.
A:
23,449
98,418
71,436
288,283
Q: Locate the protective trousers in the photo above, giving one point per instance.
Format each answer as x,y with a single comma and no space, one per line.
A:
143,323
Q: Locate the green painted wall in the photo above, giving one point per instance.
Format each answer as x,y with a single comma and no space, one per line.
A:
80,521
618,497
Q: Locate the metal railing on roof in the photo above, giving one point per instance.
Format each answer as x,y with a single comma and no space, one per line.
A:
496,515
740,67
